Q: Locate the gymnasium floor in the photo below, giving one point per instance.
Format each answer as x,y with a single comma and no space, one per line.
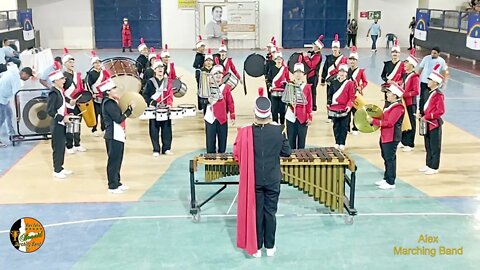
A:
149,226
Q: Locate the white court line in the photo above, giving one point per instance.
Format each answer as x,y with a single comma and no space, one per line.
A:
232,216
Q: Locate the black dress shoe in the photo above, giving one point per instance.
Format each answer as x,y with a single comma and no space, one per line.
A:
314,108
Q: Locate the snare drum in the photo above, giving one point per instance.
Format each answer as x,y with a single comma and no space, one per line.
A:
161,114
85,104
188,109
176,113
124,74
179,88
422,130
148,114
74,125
277,92
231,80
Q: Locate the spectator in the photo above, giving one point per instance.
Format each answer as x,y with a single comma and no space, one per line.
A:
424,69
10,54
352,33
375,32
412,32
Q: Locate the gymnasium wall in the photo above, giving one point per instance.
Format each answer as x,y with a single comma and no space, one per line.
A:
8,5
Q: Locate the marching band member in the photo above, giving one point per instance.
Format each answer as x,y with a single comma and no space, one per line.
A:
300,117
411,84
56,108
149,72
393,70
216,121
257,149
71,84
126,35
114,134
390,133
278,77
341,96
94,77
358,76
227,62
165,56
159,93
142,59
433,110
198,65
314,61
207,67
330,68
269,62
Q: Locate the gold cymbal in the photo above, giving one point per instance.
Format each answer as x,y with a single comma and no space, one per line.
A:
135,98
360,118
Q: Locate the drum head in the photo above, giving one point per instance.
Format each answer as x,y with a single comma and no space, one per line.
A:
85,97
35,115
254,65
176,84
293,60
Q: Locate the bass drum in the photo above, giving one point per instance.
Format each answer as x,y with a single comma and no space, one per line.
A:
124,74
293,60
254,65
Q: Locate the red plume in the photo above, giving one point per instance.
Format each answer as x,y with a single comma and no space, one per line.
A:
320,37
412,52
94,53
217,62
395,42
57,65
142,41
166,47
223,42
157,57
199,38
106,74
336,37
209,51
273,39
260,91
274,43
65,50
300,59
152,50
354,49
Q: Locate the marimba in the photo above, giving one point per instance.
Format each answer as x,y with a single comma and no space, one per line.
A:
319,172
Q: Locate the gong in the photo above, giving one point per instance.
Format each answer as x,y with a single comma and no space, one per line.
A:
35,115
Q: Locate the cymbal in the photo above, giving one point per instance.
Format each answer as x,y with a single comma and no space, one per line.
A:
137,99
360,118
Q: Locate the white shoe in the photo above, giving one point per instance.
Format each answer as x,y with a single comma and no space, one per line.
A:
96,134
258,254
66,172
400,145
342,147
431,171
355,133
123,187
386,186
328,121
80,148
115,191
381,182
71,151
156,154
337,146
271,251
59,175
407,149
168,152
424,169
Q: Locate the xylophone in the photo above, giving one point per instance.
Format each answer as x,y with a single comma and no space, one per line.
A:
318,172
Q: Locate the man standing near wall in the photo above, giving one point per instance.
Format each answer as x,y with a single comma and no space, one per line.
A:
425,69
412,32
375,32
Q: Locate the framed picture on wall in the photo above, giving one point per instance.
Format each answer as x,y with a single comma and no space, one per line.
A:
214,17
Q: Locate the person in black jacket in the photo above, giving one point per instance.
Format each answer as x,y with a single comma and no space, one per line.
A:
142,59
56,108
114,120
198,64
269,144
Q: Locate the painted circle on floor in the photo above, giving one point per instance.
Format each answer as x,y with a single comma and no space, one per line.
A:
27,235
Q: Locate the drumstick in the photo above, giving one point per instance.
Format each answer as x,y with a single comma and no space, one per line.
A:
430,122
81,113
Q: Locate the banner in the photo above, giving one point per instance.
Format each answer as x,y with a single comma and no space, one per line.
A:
473,32
27,24
421,26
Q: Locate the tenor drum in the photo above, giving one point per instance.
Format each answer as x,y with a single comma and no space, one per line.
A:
176,113
85,104
124,74
188,109
277,92
148,114
231,80
179,88
74,125
161,114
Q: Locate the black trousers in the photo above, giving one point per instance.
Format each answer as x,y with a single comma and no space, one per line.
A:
389,155
423,96
216,132
114,164
266,201
297,134
58,146
73,139
161,129
328,101
351,115
408,137
352,38
98,112
340,129
433,146
410,40
278,108
314,82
